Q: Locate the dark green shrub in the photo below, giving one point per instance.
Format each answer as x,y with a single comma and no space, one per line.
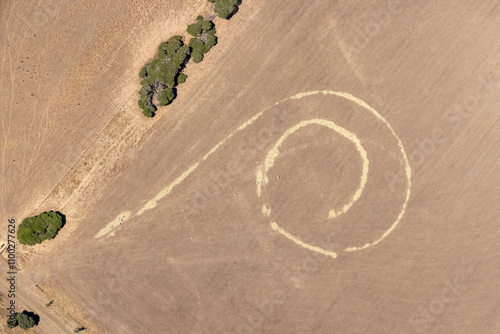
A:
34,230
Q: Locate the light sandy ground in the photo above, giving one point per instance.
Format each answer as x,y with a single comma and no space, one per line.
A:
197,251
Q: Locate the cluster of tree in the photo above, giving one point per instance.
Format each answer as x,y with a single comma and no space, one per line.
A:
34,230
225,8
25,320
162,75
204,38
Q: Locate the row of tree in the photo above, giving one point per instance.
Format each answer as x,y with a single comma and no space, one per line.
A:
204,38
161,77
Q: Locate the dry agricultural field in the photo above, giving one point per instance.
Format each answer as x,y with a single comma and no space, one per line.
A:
330,167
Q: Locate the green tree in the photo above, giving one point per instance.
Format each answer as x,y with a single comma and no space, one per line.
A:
26,320
162,74
224,8
141,104
174,43
169,47
179,58
206,25
34,230
149,110
181,78
211,41
147,82
146,89
204,42
12,322
197,56
143,73
194,29
196,44
170,79
166,96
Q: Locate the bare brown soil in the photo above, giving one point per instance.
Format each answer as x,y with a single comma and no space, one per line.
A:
205,259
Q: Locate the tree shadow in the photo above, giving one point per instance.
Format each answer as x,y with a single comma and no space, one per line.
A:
236,8
63,218
174,90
